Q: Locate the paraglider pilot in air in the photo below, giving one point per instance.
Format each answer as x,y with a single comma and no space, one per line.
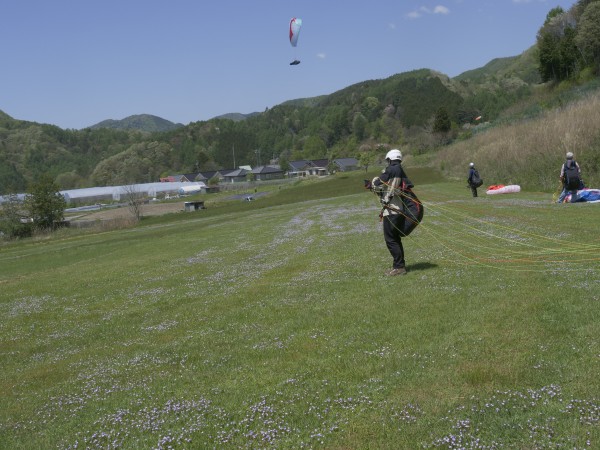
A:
295,26
401,211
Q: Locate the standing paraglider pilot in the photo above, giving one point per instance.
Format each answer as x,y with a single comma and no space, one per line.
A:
401,212
474,180
570,176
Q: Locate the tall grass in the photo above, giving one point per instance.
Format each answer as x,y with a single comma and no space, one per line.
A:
270,324
530,152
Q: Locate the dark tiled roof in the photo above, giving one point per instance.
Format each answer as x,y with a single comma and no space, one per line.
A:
266,169
299,165
236,173
346,161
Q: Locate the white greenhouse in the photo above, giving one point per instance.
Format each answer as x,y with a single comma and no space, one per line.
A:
118,193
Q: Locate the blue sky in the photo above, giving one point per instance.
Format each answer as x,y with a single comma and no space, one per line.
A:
74,63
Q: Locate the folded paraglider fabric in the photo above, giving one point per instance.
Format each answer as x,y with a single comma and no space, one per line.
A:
502,189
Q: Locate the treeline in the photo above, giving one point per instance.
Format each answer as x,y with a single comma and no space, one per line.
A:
29,150
569,42
356,121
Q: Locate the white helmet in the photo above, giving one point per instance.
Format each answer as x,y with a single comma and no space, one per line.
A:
394,155
569,155
471,164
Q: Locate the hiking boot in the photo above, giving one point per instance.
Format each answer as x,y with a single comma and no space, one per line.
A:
398,271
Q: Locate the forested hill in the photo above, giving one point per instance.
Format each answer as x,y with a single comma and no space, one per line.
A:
351,122
523,67
236,117
141,122
419,111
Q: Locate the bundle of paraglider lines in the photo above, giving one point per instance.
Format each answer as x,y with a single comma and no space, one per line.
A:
495,241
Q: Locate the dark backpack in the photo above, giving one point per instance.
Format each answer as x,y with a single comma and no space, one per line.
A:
412,212
572,179
476,180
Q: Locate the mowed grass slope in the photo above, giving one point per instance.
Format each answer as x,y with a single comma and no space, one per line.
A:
271,324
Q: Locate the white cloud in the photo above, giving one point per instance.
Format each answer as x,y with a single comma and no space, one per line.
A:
423,10
321,55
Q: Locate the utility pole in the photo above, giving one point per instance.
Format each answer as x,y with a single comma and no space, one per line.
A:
233,151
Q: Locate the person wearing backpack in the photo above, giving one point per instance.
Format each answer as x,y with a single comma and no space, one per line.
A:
570,175
401,209
474,180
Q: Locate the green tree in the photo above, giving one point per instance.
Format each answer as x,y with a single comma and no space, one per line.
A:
284,162
370,108
201,159
548,43
548,56
441,122
579,8
554,12
70,180
45,205
588,35
359,125
10,178
11,213
569,56
314,148
366,159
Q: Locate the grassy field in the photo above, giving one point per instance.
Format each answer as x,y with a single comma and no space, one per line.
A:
270,324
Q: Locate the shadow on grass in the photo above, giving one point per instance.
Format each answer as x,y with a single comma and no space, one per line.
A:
421,266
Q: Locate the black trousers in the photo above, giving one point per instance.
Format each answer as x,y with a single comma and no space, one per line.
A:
473,190
393,225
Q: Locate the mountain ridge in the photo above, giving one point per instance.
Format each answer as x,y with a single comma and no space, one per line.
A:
510,67
358,120
141,122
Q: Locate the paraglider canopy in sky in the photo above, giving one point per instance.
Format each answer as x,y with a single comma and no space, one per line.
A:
295,25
